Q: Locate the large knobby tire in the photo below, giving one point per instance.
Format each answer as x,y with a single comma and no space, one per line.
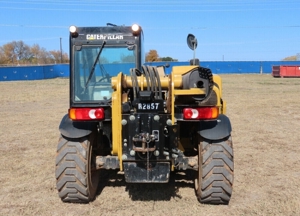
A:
76,178
213,183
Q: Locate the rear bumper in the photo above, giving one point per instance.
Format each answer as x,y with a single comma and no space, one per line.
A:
140,172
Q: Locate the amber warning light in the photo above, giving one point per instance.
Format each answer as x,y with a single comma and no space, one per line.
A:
86,113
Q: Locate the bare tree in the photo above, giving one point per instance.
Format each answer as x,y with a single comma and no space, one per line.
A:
168,59
21,51
56,57
152,56
2,56
17,52
9,55
290,58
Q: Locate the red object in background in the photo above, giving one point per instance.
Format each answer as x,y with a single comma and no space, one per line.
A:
286,71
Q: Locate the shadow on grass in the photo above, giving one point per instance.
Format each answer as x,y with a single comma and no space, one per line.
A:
148,191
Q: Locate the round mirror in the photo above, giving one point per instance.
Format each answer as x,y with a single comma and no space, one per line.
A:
192,41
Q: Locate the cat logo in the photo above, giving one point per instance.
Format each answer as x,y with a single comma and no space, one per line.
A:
103,37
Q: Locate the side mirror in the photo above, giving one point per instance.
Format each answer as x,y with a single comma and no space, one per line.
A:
192,41
192,44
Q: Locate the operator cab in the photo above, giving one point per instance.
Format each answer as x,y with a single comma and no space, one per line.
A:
96,55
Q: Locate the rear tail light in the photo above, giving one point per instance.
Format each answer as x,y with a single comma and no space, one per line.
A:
86,113
200,113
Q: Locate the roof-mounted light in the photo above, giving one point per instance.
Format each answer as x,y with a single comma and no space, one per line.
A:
73,29
136,29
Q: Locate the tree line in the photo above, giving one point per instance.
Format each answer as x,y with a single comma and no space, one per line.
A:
291,58
19,53
152,56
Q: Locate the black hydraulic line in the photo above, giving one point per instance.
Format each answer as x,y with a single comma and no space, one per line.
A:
147,78
153,82
134,82
133,88
150,68
158,81
138,72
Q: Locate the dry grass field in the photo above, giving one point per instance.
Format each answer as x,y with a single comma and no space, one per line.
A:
265,116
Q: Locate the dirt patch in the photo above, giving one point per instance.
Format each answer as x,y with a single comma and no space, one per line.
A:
265,116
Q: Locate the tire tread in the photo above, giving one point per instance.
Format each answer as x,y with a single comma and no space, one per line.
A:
217,171
71,170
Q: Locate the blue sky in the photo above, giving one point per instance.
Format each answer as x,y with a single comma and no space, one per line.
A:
254,30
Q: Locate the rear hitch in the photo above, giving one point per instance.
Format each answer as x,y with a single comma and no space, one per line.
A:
141,142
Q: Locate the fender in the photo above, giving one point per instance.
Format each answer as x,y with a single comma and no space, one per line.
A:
71,129
215,130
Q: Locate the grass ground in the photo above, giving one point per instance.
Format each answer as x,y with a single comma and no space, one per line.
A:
265,116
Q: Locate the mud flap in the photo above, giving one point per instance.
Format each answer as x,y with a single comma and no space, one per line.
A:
71,129
215,130
136,172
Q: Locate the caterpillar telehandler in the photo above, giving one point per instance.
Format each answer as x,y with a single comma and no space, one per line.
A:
138,120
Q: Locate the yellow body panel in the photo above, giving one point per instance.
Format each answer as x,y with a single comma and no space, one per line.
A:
173,86
218,81
117,117
176,82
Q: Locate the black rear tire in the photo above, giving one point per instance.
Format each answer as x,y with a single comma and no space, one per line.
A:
76,177
214,180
